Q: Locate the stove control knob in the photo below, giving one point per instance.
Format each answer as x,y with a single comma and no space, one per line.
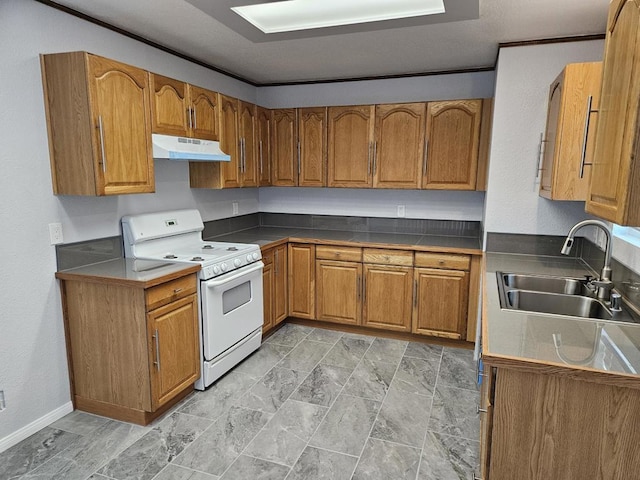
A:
216,269
223,267
237,262
249,258
256,256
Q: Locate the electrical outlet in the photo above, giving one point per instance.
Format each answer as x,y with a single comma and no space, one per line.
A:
234,208
401,210
55,233
3,402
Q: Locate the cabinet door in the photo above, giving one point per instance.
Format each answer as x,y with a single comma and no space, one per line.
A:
312,138
440,304
453,135
263,135
487,393
229,142
350,146
248,152
170,110
205,110
174,356
280,310
284,148
301,281
388,297
120,100
398,153
338,291
267,293
569,140
614,193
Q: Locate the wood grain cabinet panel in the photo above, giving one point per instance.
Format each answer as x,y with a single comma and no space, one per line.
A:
99,125
312,147
263,136
568,143
388,297
275,282
230,142
338,291
453,135
301,280
614,192
205,108
284,147
398,153
350,146
267,291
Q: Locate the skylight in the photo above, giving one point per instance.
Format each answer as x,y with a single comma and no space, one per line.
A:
293,15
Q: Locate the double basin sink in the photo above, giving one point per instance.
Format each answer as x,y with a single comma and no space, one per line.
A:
556,296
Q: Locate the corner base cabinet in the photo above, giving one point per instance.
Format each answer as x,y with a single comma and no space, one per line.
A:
133,351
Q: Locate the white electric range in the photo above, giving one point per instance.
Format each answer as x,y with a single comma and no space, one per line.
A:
229,290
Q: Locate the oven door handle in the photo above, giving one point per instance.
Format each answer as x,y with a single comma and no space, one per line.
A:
241,272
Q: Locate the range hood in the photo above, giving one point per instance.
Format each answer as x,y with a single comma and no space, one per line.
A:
182,148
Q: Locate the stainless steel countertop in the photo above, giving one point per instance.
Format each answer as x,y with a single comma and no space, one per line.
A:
528,337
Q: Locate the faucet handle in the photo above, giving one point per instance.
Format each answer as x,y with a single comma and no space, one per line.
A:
616,302
588,278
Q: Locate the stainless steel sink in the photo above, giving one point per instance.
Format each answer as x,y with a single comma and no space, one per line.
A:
557,304
540,283
564,296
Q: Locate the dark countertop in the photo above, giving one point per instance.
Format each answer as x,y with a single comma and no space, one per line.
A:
511,335
126,271
265,236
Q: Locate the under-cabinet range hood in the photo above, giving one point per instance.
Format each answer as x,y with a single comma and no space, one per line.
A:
182,148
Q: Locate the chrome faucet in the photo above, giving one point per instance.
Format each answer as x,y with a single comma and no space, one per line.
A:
604,284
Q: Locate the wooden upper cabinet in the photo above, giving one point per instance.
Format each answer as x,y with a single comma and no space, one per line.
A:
263,136
398,154
284,147
350,146
248,150
568,144
453,134
99,125
312,146
614,193
229,142
180,109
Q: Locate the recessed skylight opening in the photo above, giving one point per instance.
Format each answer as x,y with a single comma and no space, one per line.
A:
293,15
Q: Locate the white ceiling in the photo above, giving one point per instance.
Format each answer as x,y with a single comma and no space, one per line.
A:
381,51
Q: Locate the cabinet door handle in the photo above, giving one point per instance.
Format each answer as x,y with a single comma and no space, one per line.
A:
585,136
177,290
364,287
369,161
424,163
358,289
299,161
190,117
260,150
156,336
375,158
480,410
276,262
195,118
415,293
103,156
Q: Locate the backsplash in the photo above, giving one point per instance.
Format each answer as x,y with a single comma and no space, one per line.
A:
72,255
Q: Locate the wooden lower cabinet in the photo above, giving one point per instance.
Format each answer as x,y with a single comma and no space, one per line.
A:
133,352
274,278
553,426
338,291
388,297
441,304
267,291
301,280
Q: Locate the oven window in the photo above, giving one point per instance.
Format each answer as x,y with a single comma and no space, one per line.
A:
236,297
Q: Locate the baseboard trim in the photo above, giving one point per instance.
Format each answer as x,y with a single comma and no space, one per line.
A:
28,430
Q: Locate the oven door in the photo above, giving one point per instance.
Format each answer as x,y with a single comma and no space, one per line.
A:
231,308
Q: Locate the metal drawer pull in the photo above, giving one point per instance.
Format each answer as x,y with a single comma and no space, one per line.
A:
195,119
480,410
475,477
156,336
190,117
101,131
177,290
587,121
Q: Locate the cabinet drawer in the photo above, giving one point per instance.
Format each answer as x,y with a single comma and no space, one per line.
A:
441,260
267,256
387,257
347,254
170,291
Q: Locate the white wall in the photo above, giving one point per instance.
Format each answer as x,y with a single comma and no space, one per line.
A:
523,76
33,365
437,205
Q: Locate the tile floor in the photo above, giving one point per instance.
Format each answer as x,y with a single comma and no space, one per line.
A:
310,404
